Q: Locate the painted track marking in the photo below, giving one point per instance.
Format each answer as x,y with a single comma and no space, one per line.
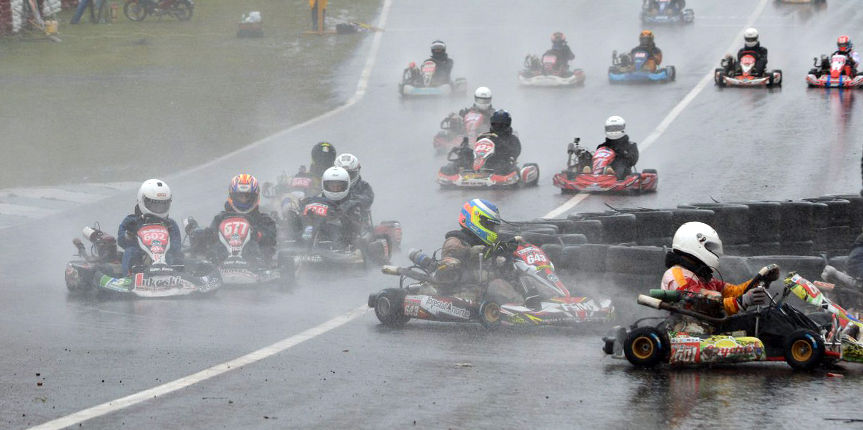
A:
210,372
660,129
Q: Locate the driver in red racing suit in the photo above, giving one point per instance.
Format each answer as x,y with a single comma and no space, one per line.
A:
690,264
846,48
507,146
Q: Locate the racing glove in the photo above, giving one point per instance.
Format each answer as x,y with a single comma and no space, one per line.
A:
754,297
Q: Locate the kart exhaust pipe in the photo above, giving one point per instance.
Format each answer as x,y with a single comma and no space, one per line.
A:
659,304
407,273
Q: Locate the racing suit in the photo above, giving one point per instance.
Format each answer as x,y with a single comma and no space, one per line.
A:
684,275
443,69
564,55
626,155
460,263
485,112
127,238
854,264
507,148
263,233
654,56
356,208
760,54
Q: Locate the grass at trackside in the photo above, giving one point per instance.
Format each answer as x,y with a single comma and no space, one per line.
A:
86,109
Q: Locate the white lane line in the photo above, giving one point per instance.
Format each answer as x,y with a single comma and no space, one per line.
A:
211,372
362,85
660,129
52,194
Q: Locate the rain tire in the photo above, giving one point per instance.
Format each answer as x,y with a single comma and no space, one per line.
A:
645,347
804,350
389,307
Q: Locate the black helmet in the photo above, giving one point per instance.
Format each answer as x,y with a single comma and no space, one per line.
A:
500,120
323,155
438,48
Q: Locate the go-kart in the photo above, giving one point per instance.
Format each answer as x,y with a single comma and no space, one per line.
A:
743,75
689,335
240,260
630,68
468,169
833,73
525,266
661,12
548,72
418,82
586,172
102,270
333,236
284,198
454,128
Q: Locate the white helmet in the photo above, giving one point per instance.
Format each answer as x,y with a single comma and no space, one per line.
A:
350,163
482,98
336,183
700,241
615,127
750,36
154,198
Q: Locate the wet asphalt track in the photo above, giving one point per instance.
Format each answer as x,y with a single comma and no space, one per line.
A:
727,144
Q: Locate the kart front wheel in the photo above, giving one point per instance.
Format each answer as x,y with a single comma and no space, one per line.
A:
804,350
671,72
389,307
645,347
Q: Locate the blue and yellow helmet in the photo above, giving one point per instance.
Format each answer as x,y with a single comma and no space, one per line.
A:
482,219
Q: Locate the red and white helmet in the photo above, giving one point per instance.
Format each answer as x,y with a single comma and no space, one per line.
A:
844,43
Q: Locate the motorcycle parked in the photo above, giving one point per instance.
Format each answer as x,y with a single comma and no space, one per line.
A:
138,10
527,268
101,269
468,168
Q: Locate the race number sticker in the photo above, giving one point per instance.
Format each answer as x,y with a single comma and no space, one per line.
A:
319,209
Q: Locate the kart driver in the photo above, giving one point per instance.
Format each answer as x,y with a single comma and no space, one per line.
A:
654,54
442,62
694,256
481,103
478,239
336,183
323,157
752,47
360,193
507,146
560,48
625,151
154,201
846,48
243,198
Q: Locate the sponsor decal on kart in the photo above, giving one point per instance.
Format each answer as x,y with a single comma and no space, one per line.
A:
316,258
301,182
532,256
319,209
161,283
435,307
116,284
412,306
728,349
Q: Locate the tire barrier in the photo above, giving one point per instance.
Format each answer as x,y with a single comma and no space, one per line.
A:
730,221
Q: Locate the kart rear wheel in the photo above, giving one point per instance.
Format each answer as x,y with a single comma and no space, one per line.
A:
645,347
489,315
389,307
804,350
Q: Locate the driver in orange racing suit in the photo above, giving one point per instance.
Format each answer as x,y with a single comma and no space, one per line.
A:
694,257
645,43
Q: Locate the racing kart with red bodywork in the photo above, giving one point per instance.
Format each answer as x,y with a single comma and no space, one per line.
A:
587,172
548,71
469,168
417,82
525,266
742,74
833,73
454,128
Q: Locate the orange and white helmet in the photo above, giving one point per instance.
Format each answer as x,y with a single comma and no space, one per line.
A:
244,193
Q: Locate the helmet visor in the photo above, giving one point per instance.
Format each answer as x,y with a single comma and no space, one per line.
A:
614,128
157,206
843,46
354,174
482,101
489,223
242,198
335,186
714,247
752,39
